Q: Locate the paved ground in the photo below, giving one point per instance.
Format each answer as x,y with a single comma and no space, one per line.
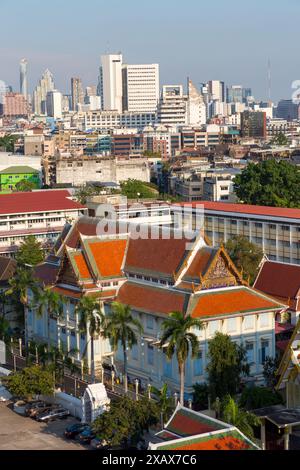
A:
23,433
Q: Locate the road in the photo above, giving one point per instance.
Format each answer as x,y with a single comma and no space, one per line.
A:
23,433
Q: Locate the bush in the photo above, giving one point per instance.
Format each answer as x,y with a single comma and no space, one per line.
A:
200,396
259,397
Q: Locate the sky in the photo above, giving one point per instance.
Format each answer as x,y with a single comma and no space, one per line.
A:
229,40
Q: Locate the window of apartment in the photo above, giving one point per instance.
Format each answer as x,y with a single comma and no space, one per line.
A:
63,331
285,228
272,226
231,325
250,352
286,244
198,364
245,223
233,222
264,350
150,354
224,198
258,225
224,188
150,322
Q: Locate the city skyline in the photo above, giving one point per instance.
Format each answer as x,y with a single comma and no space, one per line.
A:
221,42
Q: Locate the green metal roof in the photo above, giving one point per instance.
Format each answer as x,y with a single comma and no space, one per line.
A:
18,169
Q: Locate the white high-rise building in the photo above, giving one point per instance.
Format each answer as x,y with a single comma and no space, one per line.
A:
140,87
45,85
196,108
54,104
110,82
172,107
23,78
216,89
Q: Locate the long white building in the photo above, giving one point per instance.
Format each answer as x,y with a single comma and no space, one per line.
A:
140,87
111,82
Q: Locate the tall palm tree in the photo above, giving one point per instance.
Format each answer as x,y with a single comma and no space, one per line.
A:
122,327
243,420
176,332
164,401
91,320
52,302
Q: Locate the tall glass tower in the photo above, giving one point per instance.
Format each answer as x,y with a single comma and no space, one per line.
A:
23,78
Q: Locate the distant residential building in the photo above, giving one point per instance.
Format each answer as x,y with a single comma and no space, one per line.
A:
96,169
15,105
140,87
287,109
127,144
77,93
14,174
105,121
218,185
45,85
34,144
39,213
172,107
254,124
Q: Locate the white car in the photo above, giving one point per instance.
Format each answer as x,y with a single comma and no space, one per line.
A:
4,394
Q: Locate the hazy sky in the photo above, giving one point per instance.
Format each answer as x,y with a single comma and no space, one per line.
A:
230,40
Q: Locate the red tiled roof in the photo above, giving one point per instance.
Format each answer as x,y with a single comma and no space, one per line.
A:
37,201
279,279
245,209
186,423
230,301
108,256
155,255
151,299
217,443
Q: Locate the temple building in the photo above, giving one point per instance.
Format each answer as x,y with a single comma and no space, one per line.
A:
154,276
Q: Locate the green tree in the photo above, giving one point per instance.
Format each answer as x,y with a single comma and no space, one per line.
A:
245,255
7,143
25,185
227,364
176,332
164,402
270,368
200,395
253,398
135,189
51,302
30,252
31,381
83,192
122,328
91,320
231,413
4,329
280,139
269,183
126,421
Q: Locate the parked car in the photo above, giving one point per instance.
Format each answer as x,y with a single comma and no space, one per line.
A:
52,414
35,406
74,429
36,412
87,435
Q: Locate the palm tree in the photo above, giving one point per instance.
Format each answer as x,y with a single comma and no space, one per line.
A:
91,321
180,341
52,302
120,327
243,420
164,402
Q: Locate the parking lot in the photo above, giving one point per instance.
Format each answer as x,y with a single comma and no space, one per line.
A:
22,433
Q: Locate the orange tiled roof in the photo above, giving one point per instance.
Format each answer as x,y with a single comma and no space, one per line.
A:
151,299
200,263
223,443
108,256
82,266
155,255
230,301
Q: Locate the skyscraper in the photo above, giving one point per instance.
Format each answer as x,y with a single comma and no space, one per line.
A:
216,89
23,78
45,85
140,87
77,93
110,82
54,104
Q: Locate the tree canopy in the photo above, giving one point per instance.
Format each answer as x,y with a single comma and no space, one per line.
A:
227,364
25,185
82,193
29,382
245,255
253,398
135,189
280,139
30,252
7,142
126,421
269,183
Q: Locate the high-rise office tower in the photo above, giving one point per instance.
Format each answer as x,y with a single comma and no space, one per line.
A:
23,78
140,87
253,124
54,104
216,90
45,85
77,93
110,82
